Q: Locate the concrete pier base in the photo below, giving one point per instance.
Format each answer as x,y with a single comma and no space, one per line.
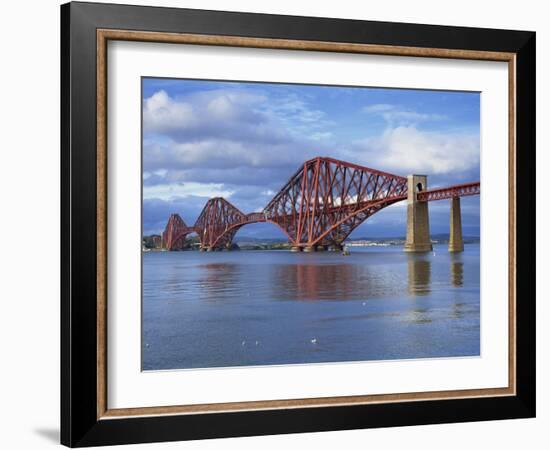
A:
310,249
295,249
321,248
456,244
337,247
418,220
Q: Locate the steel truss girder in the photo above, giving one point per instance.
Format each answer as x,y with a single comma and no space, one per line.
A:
321,204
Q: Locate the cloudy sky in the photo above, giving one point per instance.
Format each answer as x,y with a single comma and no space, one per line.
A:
243,141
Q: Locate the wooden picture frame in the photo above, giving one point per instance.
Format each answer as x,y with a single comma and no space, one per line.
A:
86,418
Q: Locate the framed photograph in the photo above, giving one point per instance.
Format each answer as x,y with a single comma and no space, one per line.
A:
276,224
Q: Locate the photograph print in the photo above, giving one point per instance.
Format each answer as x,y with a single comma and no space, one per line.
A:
306,224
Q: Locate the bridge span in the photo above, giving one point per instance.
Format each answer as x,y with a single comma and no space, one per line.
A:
322,203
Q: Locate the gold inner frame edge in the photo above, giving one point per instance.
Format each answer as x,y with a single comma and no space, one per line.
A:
103,36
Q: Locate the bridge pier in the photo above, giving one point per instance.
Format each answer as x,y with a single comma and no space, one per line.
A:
295,249
456,244
310,249
418,220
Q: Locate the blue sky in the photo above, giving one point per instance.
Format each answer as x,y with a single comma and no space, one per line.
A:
243,141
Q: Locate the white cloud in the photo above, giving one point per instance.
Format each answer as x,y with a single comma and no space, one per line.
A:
378,108
395,114
216,112
296,109
227,154
322,135
174,190
225,139
162,114
406,150
232,130
296,115
226,105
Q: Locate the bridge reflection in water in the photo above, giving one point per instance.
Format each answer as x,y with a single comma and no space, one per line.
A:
316,281
457,269
252,308
336,282
311,282
419,269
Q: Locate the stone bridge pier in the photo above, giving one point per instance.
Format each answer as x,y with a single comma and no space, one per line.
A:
456,244
418,220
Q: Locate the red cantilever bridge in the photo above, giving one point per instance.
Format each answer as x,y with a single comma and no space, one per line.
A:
321,204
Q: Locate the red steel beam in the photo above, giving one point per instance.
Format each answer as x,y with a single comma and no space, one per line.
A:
459,190
321,204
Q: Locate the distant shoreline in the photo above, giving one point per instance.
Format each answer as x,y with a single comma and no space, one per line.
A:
252,244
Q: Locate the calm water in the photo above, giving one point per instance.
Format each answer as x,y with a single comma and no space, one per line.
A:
246,308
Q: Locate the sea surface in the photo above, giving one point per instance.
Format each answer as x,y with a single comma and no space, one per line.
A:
249,308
